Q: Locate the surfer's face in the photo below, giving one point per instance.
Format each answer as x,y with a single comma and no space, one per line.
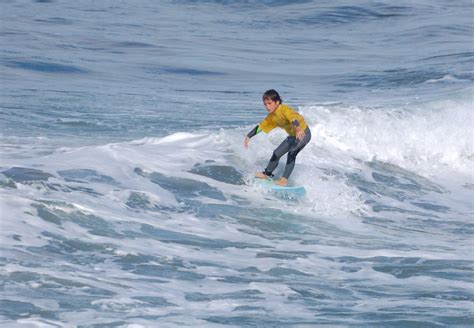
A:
270,105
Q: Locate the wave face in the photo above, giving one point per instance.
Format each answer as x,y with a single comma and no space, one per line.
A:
127,199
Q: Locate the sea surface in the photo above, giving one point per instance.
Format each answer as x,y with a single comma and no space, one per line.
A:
127,198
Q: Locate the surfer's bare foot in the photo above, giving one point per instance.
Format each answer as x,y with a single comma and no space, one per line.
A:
261,175
282,182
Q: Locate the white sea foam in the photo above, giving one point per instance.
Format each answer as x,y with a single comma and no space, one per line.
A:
427,138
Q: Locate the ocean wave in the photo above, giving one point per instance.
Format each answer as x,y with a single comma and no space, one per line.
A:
427,137
164,224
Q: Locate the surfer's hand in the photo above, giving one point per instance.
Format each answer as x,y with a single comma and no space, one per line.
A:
299,133
246,142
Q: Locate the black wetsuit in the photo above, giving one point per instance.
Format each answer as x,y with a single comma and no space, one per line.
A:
290,145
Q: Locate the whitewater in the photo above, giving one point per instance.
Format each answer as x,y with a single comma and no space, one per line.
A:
127,198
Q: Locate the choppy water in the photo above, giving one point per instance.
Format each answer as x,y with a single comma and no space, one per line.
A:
126,194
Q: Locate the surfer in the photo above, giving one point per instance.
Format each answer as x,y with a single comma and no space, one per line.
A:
282,116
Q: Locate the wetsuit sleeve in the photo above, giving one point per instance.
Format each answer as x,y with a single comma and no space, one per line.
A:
254,131
267,124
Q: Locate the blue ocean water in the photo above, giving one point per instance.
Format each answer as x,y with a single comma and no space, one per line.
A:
127,197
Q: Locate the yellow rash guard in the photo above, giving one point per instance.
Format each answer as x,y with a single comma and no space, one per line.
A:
283,117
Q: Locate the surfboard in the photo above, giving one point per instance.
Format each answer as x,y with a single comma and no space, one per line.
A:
296,191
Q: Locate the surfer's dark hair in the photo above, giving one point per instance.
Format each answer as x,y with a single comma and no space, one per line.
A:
273,95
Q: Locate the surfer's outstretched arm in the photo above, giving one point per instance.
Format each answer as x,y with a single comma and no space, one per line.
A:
251,134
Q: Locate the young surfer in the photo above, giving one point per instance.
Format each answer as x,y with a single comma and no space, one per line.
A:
282,116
